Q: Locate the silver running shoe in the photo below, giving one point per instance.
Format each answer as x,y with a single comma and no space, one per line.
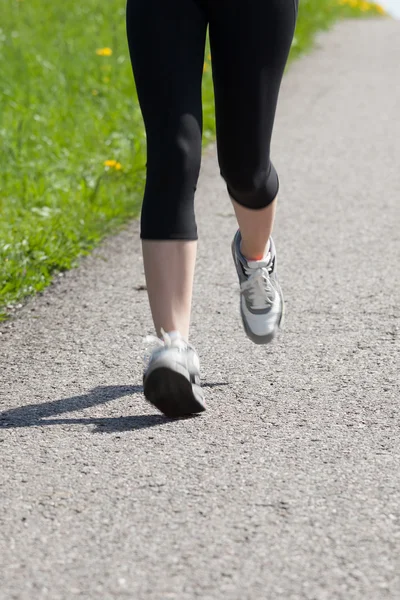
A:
261,298
171,380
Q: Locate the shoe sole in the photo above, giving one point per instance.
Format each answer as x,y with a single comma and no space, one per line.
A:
172,393
260,339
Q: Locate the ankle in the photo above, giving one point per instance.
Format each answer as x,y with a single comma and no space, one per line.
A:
173,335
251,254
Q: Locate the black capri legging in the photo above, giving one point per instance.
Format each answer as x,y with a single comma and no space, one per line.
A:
250,42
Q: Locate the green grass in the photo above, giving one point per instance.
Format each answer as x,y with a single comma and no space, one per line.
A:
64,110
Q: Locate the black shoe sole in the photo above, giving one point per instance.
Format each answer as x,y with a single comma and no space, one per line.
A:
172,393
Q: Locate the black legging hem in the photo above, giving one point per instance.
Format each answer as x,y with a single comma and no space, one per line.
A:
163,237
260,197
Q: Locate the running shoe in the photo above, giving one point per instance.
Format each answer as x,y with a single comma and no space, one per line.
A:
171,380
261,298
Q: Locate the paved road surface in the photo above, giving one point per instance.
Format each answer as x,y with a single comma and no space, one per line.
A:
288,487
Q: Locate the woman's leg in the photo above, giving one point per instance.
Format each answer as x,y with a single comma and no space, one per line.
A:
169,269
166,42
255,229
250,43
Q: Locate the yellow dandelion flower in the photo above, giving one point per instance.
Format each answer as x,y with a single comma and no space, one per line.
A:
103,51
380,9
113,164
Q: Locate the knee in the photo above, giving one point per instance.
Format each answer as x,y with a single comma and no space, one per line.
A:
253,189
174,151
173,166
188,145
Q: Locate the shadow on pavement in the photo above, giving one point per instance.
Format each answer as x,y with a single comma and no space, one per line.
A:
115,424
34,415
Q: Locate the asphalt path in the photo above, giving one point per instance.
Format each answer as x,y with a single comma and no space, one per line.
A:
288,487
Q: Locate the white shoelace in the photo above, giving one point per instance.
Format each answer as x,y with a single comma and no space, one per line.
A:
261,292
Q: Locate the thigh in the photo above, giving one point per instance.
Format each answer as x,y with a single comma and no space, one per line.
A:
166,43
250,43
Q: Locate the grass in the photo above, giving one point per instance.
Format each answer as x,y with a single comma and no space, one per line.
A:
72,145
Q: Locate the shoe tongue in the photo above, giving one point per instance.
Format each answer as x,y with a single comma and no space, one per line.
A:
260,264
174,335
173,338
178,343
257,264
